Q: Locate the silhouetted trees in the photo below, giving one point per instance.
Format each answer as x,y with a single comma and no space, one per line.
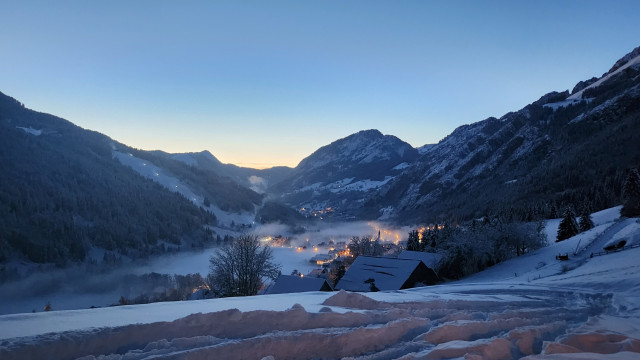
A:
239,268
568,226
365,245
585,222
413,242
631,195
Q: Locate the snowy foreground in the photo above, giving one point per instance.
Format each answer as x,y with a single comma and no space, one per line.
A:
532,307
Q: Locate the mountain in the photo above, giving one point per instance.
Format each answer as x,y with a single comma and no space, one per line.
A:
68,194
344,171
256,179
563,149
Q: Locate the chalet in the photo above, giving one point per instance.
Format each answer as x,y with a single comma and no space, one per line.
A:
381,273
430,259
320,259
294,284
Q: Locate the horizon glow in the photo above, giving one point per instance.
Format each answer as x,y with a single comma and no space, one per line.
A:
264,84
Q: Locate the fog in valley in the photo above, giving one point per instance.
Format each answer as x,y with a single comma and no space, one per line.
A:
99,285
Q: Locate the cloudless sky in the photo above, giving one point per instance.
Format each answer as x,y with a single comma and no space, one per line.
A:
265,83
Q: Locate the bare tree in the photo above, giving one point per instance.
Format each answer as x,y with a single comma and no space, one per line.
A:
239,268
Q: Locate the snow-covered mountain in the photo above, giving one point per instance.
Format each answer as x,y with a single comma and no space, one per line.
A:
565,148
69,194
562,149
346,170
256,179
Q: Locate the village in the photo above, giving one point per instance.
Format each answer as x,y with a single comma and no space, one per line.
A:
363,264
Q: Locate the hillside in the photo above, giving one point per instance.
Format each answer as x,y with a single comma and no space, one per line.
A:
565,149
560,150
65,190
533,305
63,194
343,172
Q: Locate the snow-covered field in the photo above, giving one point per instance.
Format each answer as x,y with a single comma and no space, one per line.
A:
533,307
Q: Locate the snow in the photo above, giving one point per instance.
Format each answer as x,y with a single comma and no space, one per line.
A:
632,62
430,259
185,158
401,166
346,184
533,307
387,273
363,185
170,182
31,130
285,284
425,148
157,174
563,103
314,186
630,234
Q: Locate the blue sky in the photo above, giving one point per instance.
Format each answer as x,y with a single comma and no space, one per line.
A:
264,83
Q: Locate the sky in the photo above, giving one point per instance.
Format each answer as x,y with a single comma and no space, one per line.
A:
266,83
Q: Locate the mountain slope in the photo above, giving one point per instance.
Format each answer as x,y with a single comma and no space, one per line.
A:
343,171
63,194
562,149
256,179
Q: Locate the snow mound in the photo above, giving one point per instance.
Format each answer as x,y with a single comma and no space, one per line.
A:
353,300
478,323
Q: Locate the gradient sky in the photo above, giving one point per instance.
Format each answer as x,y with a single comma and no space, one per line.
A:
264,83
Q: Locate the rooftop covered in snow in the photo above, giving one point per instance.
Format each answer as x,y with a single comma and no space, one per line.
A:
387,274
295,284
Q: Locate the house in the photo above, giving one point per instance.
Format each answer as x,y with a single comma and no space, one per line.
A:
369,273
294,284
430,259
320,259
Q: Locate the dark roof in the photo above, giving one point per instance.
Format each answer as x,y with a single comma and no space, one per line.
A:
387,273
294,284
429,259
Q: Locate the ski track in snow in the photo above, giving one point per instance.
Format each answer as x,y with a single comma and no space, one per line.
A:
532,307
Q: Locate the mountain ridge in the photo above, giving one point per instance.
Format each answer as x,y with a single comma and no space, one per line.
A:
564,149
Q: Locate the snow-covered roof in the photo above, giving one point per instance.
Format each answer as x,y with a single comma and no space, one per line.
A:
388,273
429,259
295,284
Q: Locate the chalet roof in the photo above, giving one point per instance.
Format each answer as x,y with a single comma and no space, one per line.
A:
294,284
388,273
429,259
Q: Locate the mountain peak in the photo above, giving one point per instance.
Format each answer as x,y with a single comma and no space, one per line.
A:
373,133
362,147
624,60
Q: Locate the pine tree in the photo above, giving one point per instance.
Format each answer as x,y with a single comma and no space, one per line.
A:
568,226
413,243
631,195
585,222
